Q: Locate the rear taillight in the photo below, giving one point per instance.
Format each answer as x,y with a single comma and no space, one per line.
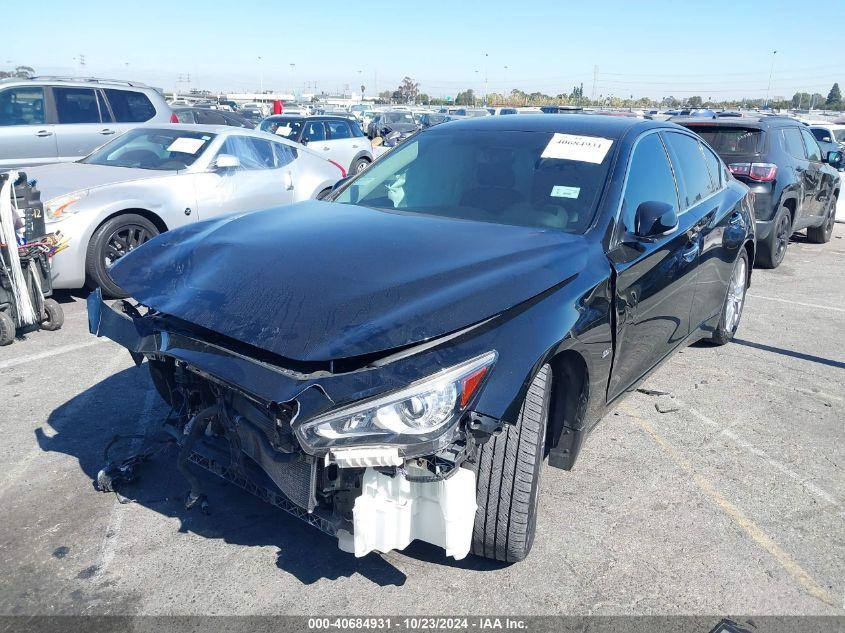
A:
761,172
342,170
174,118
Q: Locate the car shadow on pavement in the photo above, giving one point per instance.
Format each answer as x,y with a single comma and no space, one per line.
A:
788,352
84,425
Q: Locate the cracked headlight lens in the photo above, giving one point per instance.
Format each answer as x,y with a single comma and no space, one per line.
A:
417,413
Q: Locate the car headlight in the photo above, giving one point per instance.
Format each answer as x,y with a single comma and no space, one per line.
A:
416,414
60,207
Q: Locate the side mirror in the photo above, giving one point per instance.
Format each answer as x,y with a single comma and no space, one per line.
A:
227,161
654,219
834,159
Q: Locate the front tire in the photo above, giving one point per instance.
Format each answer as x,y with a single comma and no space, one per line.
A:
734,301
54,316
112,240
358,166
822,234
508,479
7,329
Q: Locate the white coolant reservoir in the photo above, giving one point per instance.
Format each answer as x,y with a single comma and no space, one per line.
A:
392,511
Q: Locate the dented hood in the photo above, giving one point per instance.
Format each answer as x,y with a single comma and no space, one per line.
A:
319,281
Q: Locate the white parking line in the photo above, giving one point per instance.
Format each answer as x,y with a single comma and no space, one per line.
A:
50,353
798,303
748,446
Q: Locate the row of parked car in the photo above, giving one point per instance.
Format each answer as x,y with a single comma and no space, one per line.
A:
156,177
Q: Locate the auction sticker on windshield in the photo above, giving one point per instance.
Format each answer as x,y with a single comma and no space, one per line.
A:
561,191
186,145
586,149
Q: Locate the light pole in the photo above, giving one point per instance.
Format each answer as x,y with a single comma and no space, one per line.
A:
771,72
260,75
486,57
291,81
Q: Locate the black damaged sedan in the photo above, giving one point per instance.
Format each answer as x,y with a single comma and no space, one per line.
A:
398,362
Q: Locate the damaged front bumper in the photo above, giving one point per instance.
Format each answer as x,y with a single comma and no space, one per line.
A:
233,403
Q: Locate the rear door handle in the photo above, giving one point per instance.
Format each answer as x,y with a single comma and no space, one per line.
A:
326,149
106,132
43,133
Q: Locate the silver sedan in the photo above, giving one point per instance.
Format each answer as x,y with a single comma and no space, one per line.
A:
155,178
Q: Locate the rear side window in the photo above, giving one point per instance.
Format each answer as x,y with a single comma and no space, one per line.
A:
76,105
731,140
714,165
253,153
284,154
129,106
792,143
694,182
649,179
22,106
338,130
813,151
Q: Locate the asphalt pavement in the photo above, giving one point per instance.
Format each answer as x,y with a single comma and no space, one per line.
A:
724,495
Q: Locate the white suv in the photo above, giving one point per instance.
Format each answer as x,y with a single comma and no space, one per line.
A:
56,119
339,139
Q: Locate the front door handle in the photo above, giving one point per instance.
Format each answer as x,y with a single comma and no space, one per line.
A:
43,133
326,149
106,132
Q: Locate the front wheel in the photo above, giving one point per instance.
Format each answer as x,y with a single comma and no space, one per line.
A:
508,479
112,240
822,234
734,301
54,316
358,166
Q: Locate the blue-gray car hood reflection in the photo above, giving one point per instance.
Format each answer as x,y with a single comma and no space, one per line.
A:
319,281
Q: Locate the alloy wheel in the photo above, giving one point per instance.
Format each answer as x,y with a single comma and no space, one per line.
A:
782,237
736,295
831,219
124,239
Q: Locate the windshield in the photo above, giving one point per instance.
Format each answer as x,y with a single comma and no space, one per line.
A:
397,117
166,150
498,177
287,127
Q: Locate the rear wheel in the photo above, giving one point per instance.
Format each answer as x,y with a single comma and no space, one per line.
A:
358,166
112,240
822,234
734,301
509,479
771,252
322,195
54,316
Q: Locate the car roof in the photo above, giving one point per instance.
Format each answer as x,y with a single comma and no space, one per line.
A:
587,124
75,81
220,130
308,117
761,121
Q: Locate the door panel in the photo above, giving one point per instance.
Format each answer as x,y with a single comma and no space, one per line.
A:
81,126
813,193
654,277
25,136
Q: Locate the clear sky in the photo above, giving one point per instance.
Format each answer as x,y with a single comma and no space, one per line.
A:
716,49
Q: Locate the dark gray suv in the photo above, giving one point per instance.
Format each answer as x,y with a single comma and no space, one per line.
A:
55,119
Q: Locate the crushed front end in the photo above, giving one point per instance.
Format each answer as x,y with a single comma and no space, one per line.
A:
378,451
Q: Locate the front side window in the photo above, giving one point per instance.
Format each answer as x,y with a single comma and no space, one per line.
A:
694,182
252,153
485,176
792,143
314,131
649,179
814,153
164,149
129,106
76,105
22,106
338,130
